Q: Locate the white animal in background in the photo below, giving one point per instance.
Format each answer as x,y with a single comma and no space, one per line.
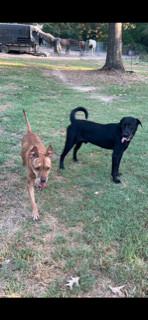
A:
92,45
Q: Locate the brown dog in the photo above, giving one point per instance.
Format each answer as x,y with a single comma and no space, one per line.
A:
38,162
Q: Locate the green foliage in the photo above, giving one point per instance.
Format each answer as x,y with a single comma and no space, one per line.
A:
135,34
80,31
132,33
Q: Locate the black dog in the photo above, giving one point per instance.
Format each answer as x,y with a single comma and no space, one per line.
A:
115,136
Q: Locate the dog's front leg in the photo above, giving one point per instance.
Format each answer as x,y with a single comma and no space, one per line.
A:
30,188
116,158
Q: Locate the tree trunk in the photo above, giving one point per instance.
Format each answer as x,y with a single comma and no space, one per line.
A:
114,48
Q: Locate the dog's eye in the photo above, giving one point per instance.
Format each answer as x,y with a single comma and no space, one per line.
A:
37,168
47,168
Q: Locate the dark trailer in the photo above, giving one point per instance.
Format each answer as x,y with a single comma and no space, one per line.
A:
18,37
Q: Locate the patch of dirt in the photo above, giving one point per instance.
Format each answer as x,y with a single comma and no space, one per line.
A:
85,77
105,288
60,74
80,80
101,289
102,97
66,79
83,89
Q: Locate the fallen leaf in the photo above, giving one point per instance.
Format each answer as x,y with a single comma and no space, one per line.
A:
125,292
98,192
142,116
7,261
141,191
118,291
99,230
72,281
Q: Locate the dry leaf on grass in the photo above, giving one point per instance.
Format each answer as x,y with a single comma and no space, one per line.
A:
96,192
118,291
72,281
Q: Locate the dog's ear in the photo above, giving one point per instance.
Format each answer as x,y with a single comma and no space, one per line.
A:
34,152
121,121
49,152
139,122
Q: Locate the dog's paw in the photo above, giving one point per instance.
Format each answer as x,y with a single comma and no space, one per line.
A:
116,180
61,167
35,215
35,218
119,174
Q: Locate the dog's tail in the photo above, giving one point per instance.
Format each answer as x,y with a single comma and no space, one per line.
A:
72,115
28,125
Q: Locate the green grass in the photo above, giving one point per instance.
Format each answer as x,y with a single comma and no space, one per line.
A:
80,233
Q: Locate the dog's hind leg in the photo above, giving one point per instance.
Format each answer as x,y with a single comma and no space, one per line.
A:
77,147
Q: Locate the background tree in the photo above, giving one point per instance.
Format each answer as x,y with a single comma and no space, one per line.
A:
134,35
114,47
75,30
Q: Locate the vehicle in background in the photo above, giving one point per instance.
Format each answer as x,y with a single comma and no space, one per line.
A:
19,37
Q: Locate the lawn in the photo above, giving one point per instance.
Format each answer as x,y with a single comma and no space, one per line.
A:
89,227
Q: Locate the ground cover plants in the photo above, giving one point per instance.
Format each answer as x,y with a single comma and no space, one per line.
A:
89,227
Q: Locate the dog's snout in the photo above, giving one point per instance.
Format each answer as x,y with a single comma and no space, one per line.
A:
43,179
125,134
